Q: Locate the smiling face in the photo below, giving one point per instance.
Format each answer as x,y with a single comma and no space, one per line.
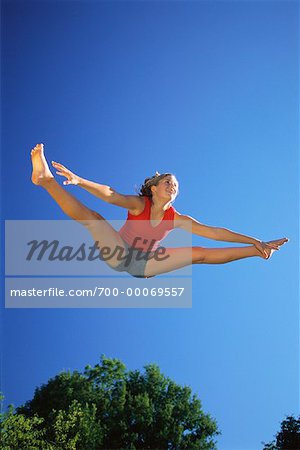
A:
167,188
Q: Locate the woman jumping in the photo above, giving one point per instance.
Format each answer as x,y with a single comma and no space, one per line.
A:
151,217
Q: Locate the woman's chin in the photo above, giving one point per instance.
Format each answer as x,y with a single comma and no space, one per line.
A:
171,198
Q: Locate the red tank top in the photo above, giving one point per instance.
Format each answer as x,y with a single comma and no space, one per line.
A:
139,233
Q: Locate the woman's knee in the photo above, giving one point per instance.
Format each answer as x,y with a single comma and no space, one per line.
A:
91,220
96,216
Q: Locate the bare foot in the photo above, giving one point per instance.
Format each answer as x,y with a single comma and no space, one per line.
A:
276,244
40,169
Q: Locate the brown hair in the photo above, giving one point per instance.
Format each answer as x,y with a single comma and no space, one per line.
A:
145,190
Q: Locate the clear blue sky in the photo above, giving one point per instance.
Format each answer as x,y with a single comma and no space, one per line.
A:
207,90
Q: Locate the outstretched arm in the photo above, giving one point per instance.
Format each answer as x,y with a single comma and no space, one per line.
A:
217,233
108,194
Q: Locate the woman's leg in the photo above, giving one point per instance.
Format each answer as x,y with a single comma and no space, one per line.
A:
177,258
102,232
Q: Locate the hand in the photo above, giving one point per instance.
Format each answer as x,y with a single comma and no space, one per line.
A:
71,178
266,248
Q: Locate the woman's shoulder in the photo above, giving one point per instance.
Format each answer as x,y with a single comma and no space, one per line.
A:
178,218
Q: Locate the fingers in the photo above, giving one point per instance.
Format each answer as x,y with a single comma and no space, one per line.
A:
61,170
274,247
268,254
260,247
263,252
58,166
68,180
